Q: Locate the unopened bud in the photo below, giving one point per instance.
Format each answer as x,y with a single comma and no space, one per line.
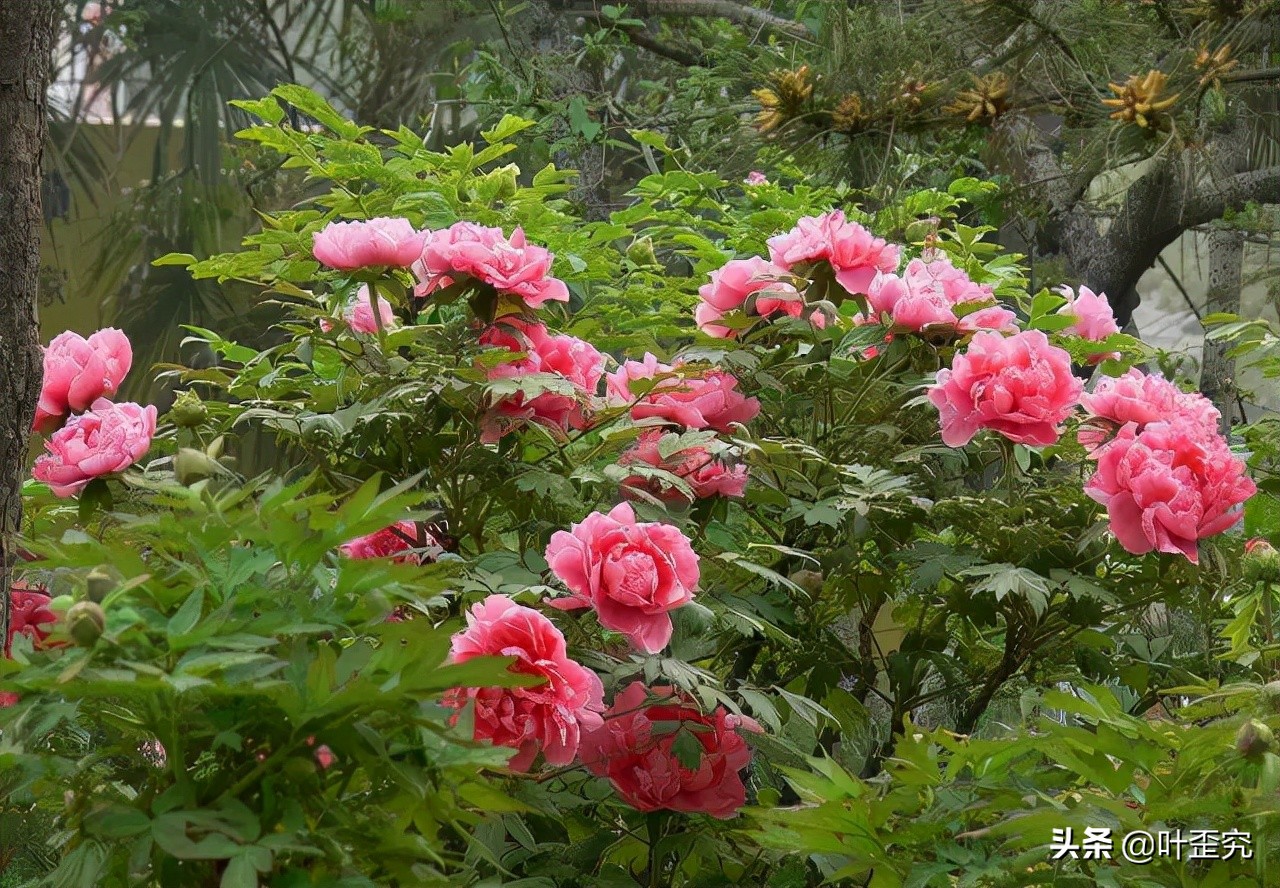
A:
85,622
188,411
99,583
641,253
1261,562
1254,739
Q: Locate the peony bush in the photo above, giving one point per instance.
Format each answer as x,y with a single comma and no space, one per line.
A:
745,537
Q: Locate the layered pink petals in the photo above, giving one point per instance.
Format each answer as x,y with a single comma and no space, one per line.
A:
854,254
549,717
636,751
932,295
1139,398
383,241
632,573
697,466
755,286
1093,318
79,371
576,362
404,539
361,317
30,615
1168,485
508,265
107,439
709,401
1020,387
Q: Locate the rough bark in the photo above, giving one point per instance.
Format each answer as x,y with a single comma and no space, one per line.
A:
1176,194
26,36
1217,370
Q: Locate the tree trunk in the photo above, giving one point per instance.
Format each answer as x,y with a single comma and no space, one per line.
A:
26,36
1217,373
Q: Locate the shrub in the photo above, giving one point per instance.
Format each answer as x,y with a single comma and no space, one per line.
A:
748,563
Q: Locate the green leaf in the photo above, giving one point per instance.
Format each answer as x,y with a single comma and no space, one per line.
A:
186,617
688,750
181,260
508,126
311,104
580,122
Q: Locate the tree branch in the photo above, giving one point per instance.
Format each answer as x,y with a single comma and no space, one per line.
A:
726,9
642,38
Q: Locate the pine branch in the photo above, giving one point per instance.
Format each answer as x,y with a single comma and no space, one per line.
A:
727,9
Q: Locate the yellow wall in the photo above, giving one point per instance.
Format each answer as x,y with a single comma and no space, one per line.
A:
69,246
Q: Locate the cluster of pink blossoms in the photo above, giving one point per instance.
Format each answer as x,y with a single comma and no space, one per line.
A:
90,436
566,371
630,743
569,359
935,295
762,288
1162,469
631,574
1164,472
668,396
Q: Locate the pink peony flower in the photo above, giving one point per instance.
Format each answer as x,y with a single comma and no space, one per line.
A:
1139,398
636,750
508,265
1094,319
576,361
697,466
735,283
995,317
360,315
1167,486
29,615
1020,387
347,246
550,716
632,573
755,177
854,254
404,539
927,294
711,400
79,371
107,439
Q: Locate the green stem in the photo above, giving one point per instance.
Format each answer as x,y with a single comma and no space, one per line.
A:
656,821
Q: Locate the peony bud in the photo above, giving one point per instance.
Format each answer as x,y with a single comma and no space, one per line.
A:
1254,739
188,411
1261,561
641,253
99,584
85,622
